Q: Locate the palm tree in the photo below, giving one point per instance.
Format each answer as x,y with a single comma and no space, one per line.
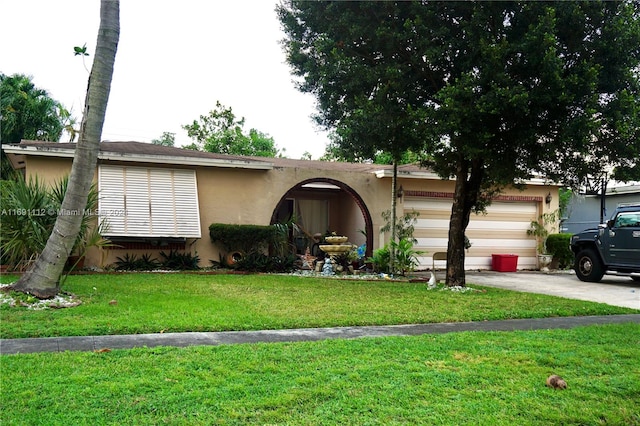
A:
43,279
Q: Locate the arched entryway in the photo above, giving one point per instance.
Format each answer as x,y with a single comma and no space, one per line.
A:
346,210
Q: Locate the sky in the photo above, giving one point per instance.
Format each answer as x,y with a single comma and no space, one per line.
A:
175,59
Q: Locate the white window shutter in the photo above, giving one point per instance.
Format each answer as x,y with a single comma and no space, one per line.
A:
149,202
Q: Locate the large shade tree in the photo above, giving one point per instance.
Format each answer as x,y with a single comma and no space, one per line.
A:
42,280
222,133
496,91
365,91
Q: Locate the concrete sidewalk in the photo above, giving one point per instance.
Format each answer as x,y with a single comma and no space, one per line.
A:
96,343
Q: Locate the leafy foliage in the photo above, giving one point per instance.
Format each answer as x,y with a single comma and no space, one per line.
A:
27,112
29,211
179,261
490,92
26,220
128,262
221,132
405,225
558,246
167,139
381,259
248,238
405,259
131,262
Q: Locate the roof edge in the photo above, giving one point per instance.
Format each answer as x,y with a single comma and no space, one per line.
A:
63,152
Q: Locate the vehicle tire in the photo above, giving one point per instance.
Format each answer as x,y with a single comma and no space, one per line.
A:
588,266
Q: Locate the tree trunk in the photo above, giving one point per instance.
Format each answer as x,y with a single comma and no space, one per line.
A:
469,176
394,215
43,278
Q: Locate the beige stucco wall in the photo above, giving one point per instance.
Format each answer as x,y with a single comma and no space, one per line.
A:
48,169
243,196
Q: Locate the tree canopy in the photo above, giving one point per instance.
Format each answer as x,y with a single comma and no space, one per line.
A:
28,112
221,132
490,92
167,139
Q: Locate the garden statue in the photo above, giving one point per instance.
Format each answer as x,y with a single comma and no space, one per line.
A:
327,268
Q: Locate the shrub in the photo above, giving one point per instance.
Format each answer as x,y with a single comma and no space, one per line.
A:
179,261
380,259
129,262
558,246
29,212
406,258
26,220
246,238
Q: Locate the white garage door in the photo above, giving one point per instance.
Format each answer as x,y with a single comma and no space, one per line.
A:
503,230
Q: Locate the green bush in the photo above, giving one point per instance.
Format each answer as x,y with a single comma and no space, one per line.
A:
405,258
29,212
131,262
380,259
558,246
246,238
179,261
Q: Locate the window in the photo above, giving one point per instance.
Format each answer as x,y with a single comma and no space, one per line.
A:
148,202
625,220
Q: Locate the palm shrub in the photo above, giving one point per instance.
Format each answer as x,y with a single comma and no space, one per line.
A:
27,220
29,212
179,261
380,259
131,262
406,258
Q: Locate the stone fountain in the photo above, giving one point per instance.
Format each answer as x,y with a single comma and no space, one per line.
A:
336,247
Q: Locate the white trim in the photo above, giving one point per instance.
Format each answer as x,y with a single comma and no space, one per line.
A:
49,151
388,173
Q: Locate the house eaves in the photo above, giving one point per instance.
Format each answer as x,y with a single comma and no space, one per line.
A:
409,174
185,161
18,152
414,172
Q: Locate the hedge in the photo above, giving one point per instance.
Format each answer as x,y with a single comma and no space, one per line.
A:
248,238
558,246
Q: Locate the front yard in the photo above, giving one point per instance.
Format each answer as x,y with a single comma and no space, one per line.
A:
131,303
452,379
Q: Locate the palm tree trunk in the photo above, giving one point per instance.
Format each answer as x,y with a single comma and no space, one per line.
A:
43,278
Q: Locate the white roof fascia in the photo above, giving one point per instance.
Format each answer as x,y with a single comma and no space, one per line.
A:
140,158
387,173
185,161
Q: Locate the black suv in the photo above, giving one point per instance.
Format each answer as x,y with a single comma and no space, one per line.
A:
612,248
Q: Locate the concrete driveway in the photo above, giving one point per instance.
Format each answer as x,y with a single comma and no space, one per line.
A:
616,291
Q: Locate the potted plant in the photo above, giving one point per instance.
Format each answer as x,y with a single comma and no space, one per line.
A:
539,230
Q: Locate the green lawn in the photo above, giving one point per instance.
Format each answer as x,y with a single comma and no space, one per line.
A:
473,378
151,303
